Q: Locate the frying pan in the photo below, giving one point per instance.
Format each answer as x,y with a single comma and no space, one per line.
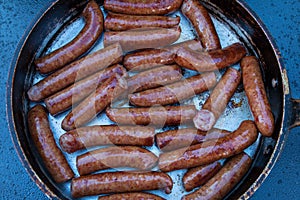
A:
56,23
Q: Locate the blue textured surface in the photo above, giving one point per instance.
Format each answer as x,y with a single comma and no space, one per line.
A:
282,18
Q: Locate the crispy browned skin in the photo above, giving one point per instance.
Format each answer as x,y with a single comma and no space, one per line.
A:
75,71
43,139
174,92
90,136
137,7
197,176
218,100
153,78
224,181
212,60
110,182
95,102
142,38
175,139
116,156
121,22
210,151
131,196
159,116
80,44
257,97
202,23
75,93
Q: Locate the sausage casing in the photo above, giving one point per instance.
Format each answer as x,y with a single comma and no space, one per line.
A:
43,139
256,94
210,151
131,196
90,136
105,183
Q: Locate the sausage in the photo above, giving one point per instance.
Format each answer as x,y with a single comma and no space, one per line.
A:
257,97
197,176
75,93
224,181
136,7
192,44
154,78
142,38
116,156
218,100
212,60
210,151
79,45
202,22
121,22
105,183
159,116
175,92
75,71
90,136
131,196
95,102
43,139
175,139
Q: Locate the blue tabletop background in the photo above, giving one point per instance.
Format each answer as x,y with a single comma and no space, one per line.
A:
282,18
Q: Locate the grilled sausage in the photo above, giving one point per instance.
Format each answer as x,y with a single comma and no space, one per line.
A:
75,71
162,116
131,196
154,78
136,7
113,157
121,22
218,100
142,38
90,136
43,139
75,93
202,22
224,181
192,44
174,92
257,97
197,176
212,60
175,139
95,102
79,45
105,183
210,151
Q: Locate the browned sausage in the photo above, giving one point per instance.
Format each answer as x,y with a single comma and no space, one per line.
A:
105,183
142,38
197,176
75,71
121,22
131,196
154,78
210,151
202,22
116,156
95,102
75,93
174,92
218,100
90,136
163,116
175,139
224,181
212,60
192,44
257,97
80,44
137,7
43,139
